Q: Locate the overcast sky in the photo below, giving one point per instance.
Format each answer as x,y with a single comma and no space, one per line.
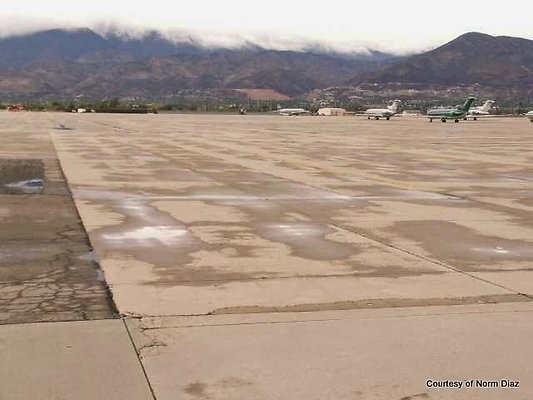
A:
400,26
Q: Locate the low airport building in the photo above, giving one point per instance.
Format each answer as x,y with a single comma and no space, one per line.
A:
329,111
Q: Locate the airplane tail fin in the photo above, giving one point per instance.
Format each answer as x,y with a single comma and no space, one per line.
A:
488,104
395,106
467,104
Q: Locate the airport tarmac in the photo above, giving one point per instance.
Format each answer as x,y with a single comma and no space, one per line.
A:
268,257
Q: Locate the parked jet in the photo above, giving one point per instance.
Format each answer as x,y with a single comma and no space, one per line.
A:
530,116
386,113
480,111
292,111
456,113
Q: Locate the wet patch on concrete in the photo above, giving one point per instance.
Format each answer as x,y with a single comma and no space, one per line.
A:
200,239
228,386
463,247
418,396
308,240
364,270
23,176
147,236
154,237
29,186
197,390
144,226
376,303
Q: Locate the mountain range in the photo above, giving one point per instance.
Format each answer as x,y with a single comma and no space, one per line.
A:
82,63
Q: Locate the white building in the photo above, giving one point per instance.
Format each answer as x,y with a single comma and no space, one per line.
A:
329,111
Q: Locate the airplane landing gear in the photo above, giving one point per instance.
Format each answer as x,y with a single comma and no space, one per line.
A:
376,118
443,120
456,121
388,118
367,117
475,118
431,120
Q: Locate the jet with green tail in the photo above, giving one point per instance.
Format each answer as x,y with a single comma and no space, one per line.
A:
456,113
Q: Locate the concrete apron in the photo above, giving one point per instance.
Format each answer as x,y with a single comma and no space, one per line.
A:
184,226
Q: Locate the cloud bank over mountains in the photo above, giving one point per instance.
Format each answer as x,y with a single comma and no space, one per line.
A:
214,39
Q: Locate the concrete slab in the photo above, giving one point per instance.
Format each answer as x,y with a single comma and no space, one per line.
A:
218,212
260,229
370,354
519,281
70,360
193,298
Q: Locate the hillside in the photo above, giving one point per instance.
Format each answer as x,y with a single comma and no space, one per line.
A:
85,46
62,63
84,64
500,61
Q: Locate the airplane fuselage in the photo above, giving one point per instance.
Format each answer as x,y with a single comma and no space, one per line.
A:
449,113
474,114
478,112
455,113
379,113
386,113
292,111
